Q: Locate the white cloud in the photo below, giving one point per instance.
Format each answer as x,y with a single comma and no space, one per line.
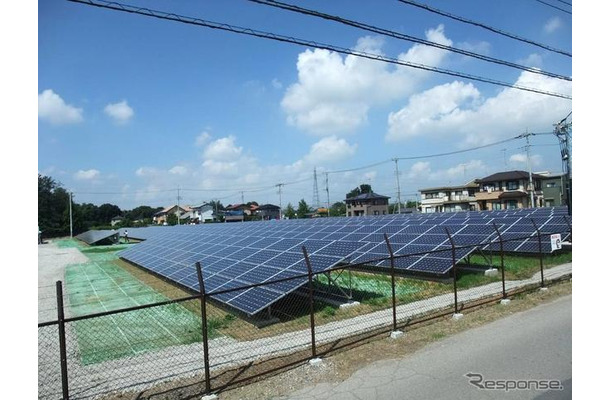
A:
426,109
87,175
533,60
477,47
203,138
146,172
223,149
552,25
178,170
53,108
330,149
120,112
521,158
276,83
458,111
335,93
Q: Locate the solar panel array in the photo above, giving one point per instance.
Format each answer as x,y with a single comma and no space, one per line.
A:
93,236
235,255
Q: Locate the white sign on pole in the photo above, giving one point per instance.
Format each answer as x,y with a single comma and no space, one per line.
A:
556,242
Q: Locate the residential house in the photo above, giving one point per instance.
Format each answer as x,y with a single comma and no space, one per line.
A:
366,204
553,189
510,189
246,209
234,216
203,213
116,220
449,198
160,217
268,211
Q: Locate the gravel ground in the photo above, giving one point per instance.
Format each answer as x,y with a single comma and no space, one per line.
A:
146,370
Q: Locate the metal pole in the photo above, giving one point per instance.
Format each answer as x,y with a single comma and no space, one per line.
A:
398,185
327,196
455,299
393,274
70,214
540,253
312,322
501,260
62,341
204,328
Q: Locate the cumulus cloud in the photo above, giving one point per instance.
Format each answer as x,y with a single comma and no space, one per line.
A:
533,60
53,108
86,175
120,112
202,139
423,171
146,172
552,25
330,149
276,83
458,111
178,170
521,158
334,94
223,149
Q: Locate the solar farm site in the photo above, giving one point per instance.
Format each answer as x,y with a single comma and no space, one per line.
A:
134,315
239,255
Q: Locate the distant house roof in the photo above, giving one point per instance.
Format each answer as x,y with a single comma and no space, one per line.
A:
471,184
168,209
509,176
117,218
267,207
368,196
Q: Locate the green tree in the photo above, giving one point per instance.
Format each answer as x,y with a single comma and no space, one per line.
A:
172,219
303,209
53,207
364,188
337,209
289,211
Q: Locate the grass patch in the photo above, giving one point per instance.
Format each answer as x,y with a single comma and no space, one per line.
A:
100,285
521,267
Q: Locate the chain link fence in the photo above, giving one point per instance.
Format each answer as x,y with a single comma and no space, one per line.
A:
165,345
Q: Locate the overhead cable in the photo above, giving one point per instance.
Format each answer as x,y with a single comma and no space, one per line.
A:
302,42
481,25
402,36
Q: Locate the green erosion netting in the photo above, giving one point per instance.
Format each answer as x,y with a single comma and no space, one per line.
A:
100,285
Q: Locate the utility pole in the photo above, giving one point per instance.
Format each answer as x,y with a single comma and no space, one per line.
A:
529,165
70,214
316,193
527,135
398,185
327,196
279,186
178,206
563,133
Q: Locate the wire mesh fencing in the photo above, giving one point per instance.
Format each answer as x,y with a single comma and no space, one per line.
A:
165,344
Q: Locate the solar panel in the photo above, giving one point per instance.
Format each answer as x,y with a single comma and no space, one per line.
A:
95,236
237,255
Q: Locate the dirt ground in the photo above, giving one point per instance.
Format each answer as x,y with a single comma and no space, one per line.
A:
339,363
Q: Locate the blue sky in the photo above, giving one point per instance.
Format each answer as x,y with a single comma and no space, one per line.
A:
134,109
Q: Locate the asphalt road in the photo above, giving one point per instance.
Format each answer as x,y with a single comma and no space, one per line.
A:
529,349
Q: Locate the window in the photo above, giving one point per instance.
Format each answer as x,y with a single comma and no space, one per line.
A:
510,204
551,184
496,206
512,185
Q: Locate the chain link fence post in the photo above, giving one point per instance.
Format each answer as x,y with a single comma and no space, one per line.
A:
312,322
501,260
393,275
539,253
204,328
62,341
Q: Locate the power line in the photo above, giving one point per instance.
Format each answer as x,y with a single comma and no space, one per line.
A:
302,42
401,36
555,7
484,26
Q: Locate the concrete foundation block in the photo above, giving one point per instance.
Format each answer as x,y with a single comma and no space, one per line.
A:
491,272
458,316
505,302
350,304
544,289
397,334
210,397
315,361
